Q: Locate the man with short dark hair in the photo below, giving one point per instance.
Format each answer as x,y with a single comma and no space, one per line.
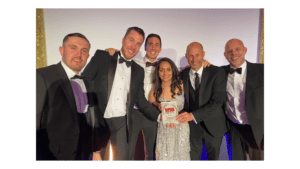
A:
66,121
152,48
119,85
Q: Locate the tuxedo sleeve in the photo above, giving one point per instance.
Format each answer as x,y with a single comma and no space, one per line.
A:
216,101
181,75
147,109
99,132
92,67
41,95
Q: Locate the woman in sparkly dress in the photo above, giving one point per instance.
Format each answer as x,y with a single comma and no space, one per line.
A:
173,141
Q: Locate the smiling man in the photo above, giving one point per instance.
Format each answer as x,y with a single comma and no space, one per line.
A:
65,116
245,103
152,48
204,90
119,85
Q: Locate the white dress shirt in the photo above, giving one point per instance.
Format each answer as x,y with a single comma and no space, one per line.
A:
70,73
236,92
192,80
116,106
148,74
148,77
193,76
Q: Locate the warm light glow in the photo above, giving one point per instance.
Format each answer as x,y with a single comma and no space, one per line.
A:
110,153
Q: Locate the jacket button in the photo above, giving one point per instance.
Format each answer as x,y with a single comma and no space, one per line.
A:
73,152
76,134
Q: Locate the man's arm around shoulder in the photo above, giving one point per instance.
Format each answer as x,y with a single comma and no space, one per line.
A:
100,57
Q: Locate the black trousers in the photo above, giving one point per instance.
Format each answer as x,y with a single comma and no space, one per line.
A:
117,134
199,136
149,133
243,143
84,148
118,138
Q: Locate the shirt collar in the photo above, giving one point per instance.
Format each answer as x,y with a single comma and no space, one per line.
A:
192,72
70,73
243,66
147,60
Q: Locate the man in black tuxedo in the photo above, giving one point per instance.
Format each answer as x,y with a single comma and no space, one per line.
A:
204,90
148,63
245,103
65,116
119,86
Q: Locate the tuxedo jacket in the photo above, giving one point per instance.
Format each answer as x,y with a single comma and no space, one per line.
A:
101,69
212,95
57,121
254,99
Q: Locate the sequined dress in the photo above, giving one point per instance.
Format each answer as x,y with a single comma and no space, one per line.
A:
173,143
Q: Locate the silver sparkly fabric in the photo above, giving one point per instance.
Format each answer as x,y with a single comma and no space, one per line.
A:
173,143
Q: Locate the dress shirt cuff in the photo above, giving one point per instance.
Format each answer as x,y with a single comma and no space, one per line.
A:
194,118
158,119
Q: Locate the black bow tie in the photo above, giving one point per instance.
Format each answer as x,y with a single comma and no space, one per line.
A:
238,70
151,64
78,77
128,63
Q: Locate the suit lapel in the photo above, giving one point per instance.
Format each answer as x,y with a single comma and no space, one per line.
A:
89,93
226,69
251,82
112,65
185,79
204,78
133,79
67,88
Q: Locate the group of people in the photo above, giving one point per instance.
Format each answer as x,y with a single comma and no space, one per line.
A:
116,96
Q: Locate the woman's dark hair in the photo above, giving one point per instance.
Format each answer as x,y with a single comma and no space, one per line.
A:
156,81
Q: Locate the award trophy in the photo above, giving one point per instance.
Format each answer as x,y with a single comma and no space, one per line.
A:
169,112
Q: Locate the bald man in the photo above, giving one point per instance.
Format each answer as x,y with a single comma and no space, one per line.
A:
205,93
245,103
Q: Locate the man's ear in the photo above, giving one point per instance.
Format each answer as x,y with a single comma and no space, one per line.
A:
61,50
